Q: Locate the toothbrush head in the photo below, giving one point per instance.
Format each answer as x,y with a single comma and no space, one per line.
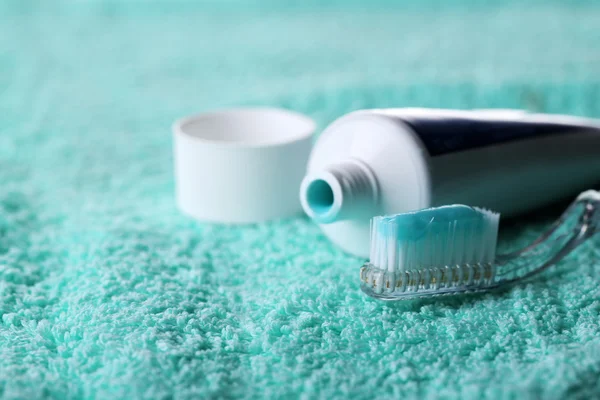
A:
431,251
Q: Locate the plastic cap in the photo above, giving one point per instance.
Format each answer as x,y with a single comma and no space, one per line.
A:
241,165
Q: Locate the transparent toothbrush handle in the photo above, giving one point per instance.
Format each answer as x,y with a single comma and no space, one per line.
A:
579,222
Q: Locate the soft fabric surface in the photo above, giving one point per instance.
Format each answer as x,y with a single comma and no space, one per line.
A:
107,291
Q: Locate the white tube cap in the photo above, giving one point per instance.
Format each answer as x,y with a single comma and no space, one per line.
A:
241,165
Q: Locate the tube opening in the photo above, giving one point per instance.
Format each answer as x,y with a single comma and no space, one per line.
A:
319,197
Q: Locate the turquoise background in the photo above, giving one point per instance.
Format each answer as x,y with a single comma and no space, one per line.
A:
107,291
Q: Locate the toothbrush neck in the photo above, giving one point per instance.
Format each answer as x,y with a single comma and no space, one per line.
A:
341,191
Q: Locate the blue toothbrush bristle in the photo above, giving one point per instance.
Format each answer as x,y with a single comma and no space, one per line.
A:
434,238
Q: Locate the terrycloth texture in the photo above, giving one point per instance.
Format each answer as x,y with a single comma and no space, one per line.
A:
107,291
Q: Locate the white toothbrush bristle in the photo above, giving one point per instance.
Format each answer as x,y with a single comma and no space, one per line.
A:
441,241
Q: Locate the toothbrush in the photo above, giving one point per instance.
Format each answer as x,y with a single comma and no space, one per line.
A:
452,249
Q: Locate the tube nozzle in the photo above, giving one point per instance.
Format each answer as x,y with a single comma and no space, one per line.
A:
340,191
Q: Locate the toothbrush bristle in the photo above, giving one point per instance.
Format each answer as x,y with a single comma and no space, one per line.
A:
434,238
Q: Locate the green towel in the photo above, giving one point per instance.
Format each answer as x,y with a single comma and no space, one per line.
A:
107,291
